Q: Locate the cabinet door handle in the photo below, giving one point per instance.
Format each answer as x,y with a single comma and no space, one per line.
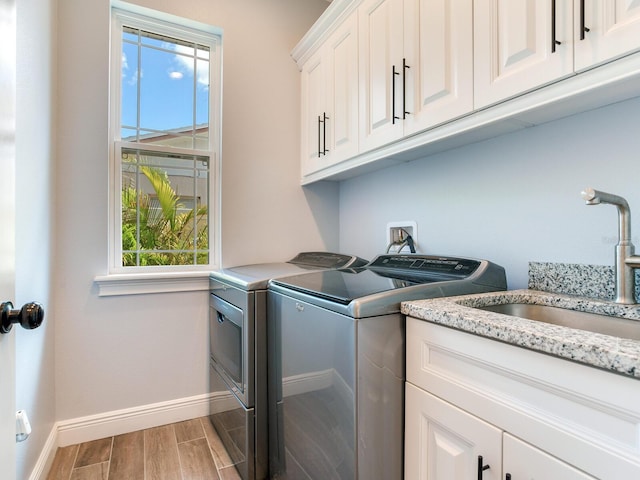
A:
324,133
507,476
319,125
554,41
393,94
322,137
481,467
583,29
404,88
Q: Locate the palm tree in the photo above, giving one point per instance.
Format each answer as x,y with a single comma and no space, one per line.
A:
158,229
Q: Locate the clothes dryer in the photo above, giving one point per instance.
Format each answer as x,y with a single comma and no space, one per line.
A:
237,339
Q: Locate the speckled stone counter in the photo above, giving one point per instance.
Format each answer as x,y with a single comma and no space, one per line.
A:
593,281
597,350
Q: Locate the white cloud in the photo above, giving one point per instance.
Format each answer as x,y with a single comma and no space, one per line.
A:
185,60
133,79
175,75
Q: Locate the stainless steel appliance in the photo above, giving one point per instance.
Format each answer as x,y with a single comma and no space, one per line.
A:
238,372
336,351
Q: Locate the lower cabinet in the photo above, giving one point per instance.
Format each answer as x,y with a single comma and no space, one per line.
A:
477,408
443,442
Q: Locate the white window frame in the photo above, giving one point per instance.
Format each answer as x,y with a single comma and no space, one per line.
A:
130,280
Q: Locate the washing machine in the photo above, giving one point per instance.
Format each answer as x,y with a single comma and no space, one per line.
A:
336,356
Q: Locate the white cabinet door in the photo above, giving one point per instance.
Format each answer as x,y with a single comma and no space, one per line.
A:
380,55
613,30
313,86
330,100
342,92
522,461
444,442
438,47
516,49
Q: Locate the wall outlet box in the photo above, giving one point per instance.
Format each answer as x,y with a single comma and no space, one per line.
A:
396,233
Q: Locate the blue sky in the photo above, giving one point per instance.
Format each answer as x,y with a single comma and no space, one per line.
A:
166,85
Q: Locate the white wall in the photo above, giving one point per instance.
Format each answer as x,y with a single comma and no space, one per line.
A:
120,352
35,147
511,199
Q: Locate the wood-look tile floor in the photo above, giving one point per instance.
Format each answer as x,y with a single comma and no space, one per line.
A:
189,450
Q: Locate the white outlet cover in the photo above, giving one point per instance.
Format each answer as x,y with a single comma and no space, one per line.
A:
410,225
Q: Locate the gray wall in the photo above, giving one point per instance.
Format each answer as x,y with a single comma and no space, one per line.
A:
95,355
120,352
511,199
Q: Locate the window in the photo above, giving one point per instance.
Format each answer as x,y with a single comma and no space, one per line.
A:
165,131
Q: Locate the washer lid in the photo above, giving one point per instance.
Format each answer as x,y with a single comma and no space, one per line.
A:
344,286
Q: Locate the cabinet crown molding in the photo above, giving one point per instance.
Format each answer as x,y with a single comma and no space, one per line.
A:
332,17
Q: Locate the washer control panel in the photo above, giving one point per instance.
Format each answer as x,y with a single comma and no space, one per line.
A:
426,264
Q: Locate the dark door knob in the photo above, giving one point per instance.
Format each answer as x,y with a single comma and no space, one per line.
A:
30,316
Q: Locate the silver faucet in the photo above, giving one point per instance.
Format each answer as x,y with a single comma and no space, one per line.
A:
626,261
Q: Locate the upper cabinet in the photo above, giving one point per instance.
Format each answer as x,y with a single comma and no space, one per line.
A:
520,45
523,44
381,72
314,112
438,46
330,100
416,66
387,81
605,30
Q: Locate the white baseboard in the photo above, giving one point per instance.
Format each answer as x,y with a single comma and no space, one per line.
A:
117,422
93,427
43,465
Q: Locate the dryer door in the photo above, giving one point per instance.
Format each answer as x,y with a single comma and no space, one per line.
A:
231,347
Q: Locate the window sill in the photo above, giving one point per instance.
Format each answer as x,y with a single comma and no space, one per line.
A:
144,283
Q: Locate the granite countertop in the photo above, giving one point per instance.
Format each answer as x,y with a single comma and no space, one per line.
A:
615,354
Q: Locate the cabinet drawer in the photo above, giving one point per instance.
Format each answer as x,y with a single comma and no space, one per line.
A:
522,461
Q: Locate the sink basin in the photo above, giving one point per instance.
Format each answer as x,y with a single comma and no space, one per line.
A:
592,322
